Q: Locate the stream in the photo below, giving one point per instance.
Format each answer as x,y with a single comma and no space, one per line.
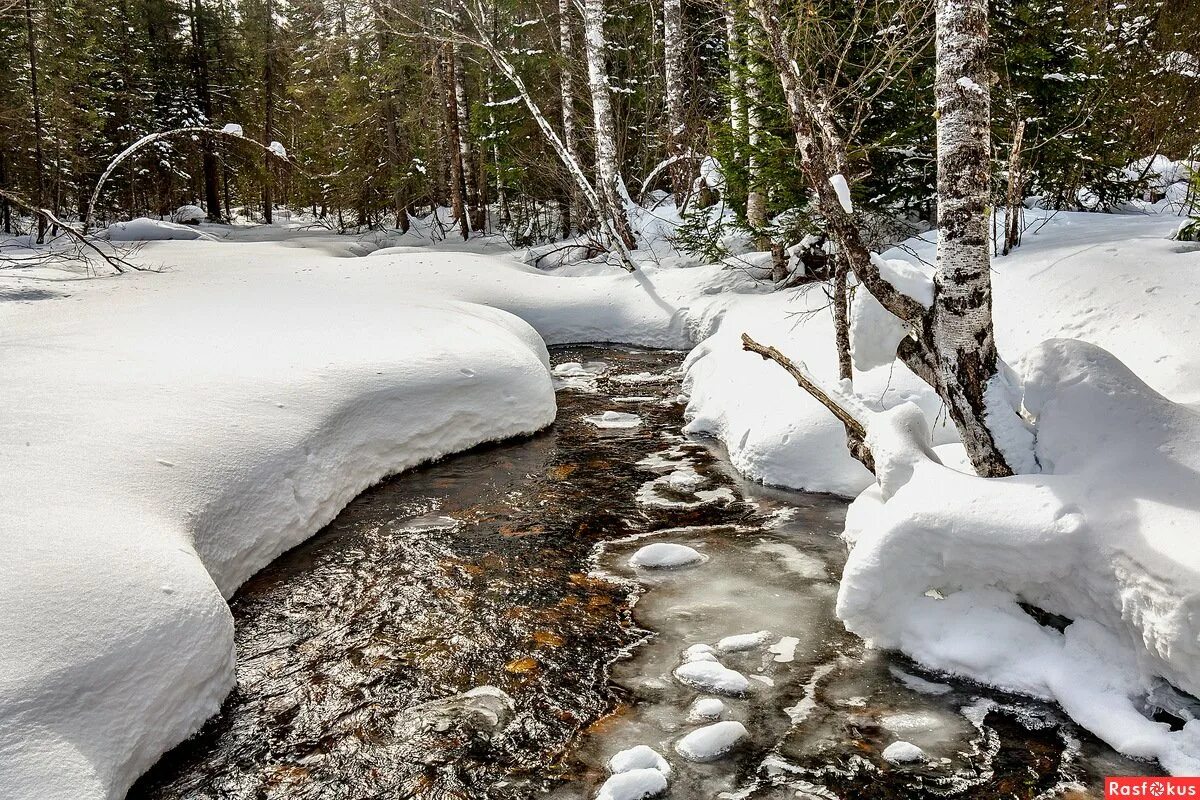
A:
474,629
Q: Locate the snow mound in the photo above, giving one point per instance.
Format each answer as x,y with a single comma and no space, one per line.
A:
638,757
903,753
706,709
614,419
633,785
175,433
712,741
713,677
665,555
144,229
743,641
1104,537
189,215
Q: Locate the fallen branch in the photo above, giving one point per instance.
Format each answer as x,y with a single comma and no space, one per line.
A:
116,262
852,414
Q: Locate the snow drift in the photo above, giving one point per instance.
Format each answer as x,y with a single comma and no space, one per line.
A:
1105,536
165,436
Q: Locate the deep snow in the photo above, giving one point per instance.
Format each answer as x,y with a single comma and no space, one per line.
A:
173,432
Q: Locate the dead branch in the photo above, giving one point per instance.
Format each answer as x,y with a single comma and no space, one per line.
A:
121,265
849,412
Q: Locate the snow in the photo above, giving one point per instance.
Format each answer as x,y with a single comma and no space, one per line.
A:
712,741
614,419
902,752
713,677
233,129
705,709
665,555
639,757
633,785
969,85
784,649
144,229
842,189
743,641
1102,537
278,149
188,215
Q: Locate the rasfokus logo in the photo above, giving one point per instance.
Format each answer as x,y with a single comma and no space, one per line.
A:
1151,787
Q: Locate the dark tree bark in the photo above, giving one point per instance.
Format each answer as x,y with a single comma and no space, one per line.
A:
453,146
39,163
268,201
212,200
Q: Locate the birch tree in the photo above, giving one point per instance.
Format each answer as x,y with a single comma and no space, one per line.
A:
612,187
951,344
571,212
678,143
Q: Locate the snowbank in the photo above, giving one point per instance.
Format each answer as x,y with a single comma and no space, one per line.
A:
163,436
144,229
1105,537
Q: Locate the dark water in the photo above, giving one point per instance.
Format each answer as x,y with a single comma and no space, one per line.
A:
360,654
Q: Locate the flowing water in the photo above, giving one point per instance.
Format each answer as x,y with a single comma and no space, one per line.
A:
473,629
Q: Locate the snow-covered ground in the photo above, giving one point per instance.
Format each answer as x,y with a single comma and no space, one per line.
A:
164,435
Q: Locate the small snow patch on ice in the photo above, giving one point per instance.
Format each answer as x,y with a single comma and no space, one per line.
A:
784,649
711,676
633,785
903,753
706,709
614,419
743,641
638,757
664,555
712,741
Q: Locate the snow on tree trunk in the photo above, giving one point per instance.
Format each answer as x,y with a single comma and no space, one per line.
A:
605,123
677,138
960,324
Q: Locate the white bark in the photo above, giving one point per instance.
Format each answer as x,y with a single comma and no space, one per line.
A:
566,52
961,327
733,48
677,139
611,186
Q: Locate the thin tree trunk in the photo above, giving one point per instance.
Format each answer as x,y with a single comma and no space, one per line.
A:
677,133
212,201
471,188
733,53
608,171
1014,206
453,147
36,99
572,210
841,318
268,202
961,318
756,198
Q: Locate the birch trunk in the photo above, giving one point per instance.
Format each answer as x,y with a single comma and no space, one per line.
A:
960,327
453,149
677,135
573,209
1015,202
756,198
609,174
733,53
471,189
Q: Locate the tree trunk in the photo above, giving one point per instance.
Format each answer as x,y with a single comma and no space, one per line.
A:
472,191
453,146
572,210
39,162
1015,205
733,53
677,134
841,318
268,202
960,326
756,198
212,200
607,167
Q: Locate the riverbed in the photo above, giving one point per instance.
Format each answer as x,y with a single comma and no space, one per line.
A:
474,629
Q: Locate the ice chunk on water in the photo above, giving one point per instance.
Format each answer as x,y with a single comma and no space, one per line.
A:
614,419
903,753
712,741
662,555
743,641
711,676
639,757
784,649
633,785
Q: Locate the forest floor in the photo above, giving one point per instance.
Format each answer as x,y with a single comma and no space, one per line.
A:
177,430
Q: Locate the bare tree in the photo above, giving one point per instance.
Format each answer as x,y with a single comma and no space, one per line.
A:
951,345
